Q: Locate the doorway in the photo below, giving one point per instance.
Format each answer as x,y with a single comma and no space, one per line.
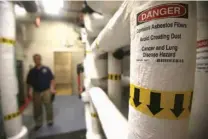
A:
63,72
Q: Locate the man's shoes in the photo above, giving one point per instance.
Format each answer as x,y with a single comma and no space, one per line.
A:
37,127
50,124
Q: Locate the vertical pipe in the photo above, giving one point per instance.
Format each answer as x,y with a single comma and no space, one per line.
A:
163,41
198,125
96,126
114,80
8,81
94,69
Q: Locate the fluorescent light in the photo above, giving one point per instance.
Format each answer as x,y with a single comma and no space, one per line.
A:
19,11
52,6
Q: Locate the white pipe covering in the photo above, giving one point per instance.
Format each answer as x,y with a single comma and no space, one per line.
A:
85,97
104,7
95,22
91,130
163,49
87,83
8,84
113,122
114,83
96,126
116,33
198,125
94,67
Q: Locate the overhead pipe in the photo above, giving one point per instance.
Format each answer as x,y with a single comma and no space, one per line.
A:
163,56
114,80
117,29
198,126
104,7
8,84
94,23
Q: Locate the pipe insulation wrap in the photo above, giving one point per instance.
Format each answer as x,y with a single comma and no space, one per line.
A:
94,67
113,122
8,79
9,106
114,80
8,83
88,117
85,97
198,126
162,66
104,7
116,34
87,83
90,134
95,70
95,22
95,123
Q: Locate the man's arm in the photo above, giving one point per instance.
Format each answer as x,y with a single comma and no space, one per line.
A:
29,84
53,86
52,83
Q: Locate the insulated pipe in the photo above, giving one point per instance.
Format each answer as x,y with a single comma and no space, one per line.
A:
114,80
8,81
198,125
92,122
114,124
117,29
163,56
94,23
95,123
104,7
86,100
94,69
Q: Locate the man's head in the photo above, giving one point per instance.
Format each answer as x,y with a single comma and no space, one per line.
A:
37,59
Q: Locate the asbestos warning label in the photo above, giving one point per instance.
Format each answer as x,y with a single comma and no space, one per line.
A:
161,31
161,104
202,56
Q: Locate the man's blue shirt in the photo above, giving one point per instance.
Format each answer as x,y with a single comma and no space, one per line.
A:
40,78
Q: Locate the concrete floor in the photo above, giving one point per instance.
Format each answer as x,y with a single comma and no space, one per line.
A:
69,120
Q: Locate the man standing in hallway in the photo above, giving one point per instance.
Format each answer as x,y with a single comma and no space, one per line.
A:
41,86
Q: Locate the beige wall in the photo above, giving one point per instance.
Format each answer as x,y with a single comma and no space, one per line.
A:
50,37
